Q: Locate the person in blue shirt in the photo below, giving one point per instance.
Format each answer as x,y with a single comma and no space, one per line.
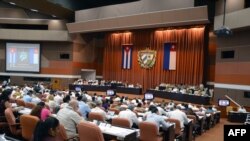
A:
84,108
156,118
27,97
210,110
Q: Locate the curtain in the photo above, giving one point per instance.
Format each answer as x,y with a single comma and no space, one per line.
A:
189,45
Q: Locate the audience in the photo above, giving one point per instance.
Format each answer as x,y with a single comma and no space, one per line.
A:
74,107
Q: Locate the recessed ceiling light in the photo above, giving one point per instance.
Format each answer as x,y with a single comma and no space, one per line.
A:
12,3
53,16
34,10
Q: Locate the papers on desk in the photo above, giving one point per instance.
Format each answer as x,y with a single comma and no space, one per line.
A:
13,105
140,119
2,137
190,120
115,131
141,114
25,111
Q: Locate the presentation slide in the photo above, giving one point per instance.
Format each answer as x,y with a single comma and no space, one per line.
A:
23,57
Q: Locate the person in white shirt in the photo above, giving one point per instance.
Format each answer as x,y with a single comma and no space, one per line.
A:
98,109
161,111
202,108
190,106
242,109
69,118
58,98
36,98
214,108
130,115
179,115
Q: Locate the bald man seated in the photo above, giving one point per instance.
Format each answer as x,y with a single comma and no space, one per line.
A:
69,118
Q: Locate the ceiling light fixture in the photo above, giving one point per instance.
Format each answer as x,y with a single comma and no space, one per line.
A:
12,3
34,10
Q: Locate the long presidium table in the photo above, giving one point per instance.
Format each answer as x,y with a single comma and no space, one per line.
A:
118,89
181,97
138,91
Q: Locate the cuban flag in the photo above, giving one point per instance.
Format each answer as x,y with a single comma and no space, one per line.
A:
33,56
169,62
126,56
12,56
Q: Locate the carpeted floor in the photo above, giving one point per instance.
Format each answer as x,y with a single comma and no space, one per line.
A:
216,133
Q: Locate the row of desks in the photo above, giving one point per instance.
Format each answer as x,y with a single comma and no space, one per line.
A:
138,91
124,134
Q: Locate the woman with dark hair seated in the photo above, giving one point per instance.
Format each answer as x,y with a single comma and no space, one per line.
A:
41,111
36,111
47,130
5,103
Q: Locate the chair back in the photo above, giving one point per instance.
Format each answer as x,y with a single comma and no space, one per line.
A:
30,105
114,110
89,132
113,105
28,124
193,117
122,122
11,121
3,124
96,116
20,102
148,131
178,130
62,133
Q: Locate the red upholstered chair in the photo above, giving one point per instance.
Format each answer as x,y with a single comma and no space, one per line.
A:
149,132
96,116
3,124
62,136
178,130
20,102
30,105
28,124
89,132
121,122
114,110
14,127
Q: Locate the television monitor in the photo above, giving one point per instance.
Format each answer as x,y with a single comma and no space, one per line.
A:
78,88
223,102
23,57
110,92
247,94
162,88
148,96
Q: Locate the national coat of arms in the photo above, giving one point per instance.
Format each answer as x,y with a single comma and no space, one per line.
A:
146,58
